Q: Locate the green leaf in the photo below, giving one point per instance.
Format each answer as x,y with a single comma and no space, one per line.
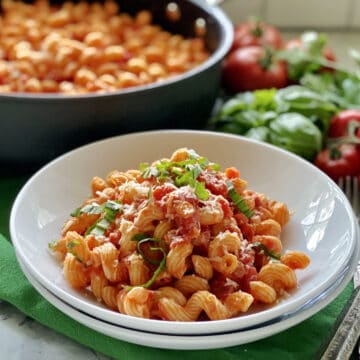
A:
296,133
156,273
306,59
92,209
76,212
147,259
113,205
266,251
261,133
108,211
238,200
201,192
52,245
264,100
138,237
141,239
182,173
236,104
70,246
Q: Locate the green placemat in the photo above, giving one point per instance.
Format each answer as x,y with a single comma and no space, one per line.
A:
298,342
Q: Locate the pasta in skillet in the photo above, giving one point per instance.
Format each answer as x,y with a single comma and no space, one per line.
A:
179,240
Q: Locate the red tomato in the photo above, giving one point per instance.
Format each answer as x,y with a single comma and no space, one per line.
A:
339,162
339,123
215,183
256,33
251,68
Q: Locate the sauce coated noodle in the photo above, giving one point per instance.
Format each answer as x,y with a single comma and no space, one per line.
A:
180,240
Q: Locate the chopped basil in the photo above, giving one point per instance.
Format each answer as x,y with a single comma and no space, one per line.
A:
146,258
182,173
266,251
108,211
138,237
200,191
52,245
158,270
70,246
76,212
92,209
141,239
238,200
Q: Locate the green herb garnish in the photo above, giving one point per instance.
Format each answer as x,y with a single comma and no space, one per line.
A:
181,173
238,200
76,212
70,246
266,251
158,269
142,239
108,211
52,245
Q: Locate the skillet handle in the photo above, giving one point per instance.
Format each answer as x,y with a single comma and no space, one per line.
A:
345,332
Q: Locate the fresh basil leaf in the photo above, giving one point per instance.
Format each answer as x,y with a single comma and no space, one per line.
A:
266,251
261,133
264,100
113,205
138,237
238,200
92,209
108,211
237,104
76,212
70,246
141,239
146,258
201,192
156,273
296,133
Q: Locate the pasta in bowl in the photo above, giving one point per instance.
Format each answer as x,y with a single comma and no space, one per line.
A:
179,239
321,225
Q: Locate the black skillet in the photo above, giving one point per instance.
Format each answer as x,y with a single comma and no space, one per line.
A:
35,128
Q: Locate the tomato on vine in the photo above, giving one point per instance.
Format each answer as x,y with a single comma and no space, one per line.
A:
256,32
251,68
340,161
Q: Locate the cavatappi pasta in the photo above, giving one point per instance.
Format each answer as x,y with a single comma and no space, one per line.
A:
80,47
179,240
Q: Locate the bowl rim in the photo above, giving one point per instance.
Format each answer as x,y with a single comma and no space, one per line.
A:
226,39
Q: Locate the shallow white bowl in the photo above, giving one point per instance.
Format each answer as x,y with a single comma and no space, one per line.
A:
323,224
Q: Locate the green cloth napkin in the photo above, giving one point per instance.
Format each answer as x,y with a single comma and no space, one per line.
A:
298,342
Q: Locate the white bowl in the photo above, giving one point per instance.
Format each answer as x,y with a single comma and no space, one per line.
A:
323,225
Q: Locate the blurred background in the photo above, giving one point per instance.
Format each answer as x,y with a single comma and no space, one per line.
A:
340,19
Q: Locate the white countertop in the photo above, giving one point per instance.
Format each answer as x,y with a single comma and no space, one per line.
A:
22,338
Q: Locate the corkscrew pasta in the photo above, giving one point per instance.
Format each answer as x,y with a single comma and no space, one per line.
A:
180,240
80,47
